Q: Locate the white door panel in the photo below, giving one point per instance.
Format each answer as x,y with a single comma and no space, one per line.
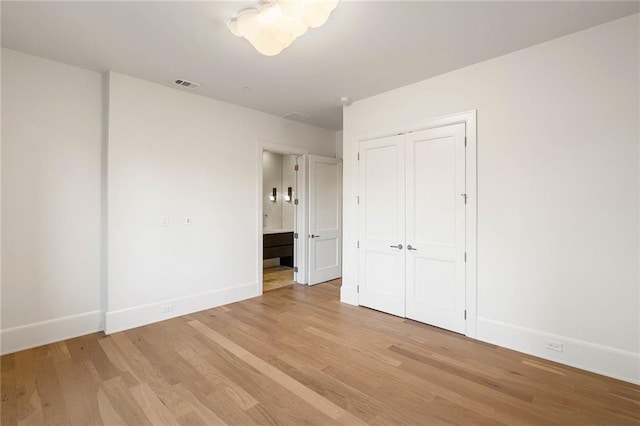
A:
325,194
435,230
327,250
438,286
381,225
433,190
327,181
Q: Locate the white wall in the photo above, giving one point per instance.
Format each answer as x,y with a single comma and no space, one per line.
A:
171,154
52,138
272,178
558,233
288,180
174,154
339,143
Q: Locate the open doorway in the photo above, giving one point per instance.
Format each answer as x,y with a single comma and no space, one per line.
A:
279,204
281,216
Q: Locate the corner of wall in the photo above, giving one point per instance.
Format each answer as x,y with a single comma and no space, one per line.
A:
104,196
69,294
339,144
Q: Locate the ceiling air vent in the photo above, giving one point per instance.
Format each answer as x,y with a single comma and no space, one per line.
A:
185,83
297,116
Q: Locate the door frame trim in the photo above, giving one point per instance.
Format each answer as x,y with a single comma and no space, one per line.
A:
300,255
468,118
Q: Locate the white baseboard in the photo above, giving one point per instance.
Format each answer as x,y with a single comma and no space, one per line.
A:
42,333
137,316
616,363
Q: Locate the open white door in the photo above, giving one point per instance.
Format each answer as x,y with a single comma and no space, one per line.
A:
325,211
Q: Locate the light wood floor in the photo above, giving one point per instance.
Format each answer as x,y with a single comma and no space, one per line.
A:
297,356
276,277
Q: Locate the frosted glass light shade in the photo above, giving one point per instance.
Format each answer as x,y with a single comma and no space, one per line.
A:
273,27
313,13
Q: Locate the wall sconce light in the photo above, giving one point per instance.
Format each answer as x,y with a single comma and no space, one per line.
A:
272,197
288,195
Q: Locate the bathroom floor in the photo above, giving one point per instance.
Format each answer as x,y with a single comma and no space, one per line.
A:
276,277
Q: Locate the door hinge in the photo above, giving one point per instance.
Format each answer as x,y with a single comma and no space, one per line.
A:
358,156
358,288
465,256
295,201
357,199
295,167
357,244
295,269
295,235
465,197
465,314
465,141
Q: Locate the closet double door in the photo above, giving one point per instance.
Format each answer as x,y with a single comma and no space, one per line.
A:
412,226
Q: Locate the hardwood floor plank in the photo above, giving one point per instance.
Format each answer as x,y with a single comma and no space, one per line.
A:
27,402
192,419
205,414
355,401
219,381
154,409
80,391
108,413
338,340
541,366
275,401
312,398
78,348
35,416
9,398
100,361
504,386
59,351
147,373
116,358
283,357
117,392
54,410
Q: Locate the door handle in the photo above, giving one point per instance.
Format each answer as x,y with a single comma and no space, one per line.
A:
314,236
399,246
411,248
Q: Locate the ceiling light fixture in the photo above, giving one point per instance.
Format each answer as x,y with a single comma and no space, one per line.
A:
272,26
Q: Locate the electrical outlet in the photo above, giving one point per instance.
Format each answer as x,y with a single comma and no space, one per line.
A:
552,345
187,220
166,308
165,220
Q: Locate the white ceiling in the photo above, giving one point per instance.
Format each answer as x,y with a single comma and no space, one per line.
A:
366,47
